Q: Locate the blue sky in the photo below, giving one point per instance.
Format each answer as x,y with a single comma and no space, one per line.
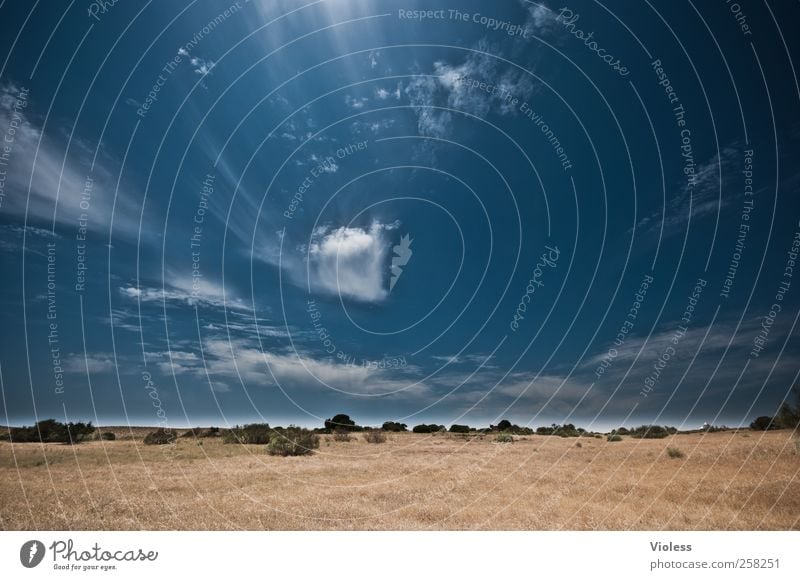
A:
218,212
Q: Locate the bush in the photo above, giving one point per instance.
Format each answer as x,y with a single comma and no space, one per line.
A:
293,441
652,432
341,422
160,436
504,425
675,453
108,436
788,416
578,445
394,427
763,423
252,434
432,428
201,433
614,437
567,430
375,436
459,429
51,431
504,438
339,435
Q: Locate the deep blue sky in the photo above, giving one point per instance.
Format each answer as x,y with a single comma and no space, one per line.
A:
247,170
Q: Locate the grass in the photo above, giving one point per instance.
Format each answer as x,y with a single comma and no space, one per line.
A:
411,482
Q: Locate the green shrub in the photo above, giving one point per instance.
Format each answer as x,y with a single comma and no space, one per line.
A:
252,434
459,429
652,432
107,436
343,436
675,453
504,438
375,436
293,441
432,428
201,433
394,427
51,431
614,437
341,422
764,423
160,436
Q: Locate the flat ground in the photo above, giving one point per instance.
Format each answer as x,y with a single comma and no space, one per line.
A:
725,481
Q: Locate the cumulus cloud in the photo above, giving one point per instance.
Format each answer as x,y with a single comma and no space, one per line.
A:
350,261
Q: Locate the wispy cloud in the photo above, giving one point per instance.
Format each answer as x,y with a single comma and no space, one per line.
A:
446,89
63,186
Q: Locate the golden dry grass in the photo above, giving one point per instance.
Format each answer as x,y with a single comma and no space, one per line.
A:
726,481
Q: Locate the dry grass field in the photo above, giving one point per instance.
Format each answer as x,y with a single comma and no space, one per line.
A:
725,481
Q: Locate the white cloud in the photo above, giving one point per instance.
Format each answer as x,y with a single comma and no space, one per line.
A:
96,363
184,290
58,175
226,360
350,261
384,94
445,89
356,103
202,67
704,194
